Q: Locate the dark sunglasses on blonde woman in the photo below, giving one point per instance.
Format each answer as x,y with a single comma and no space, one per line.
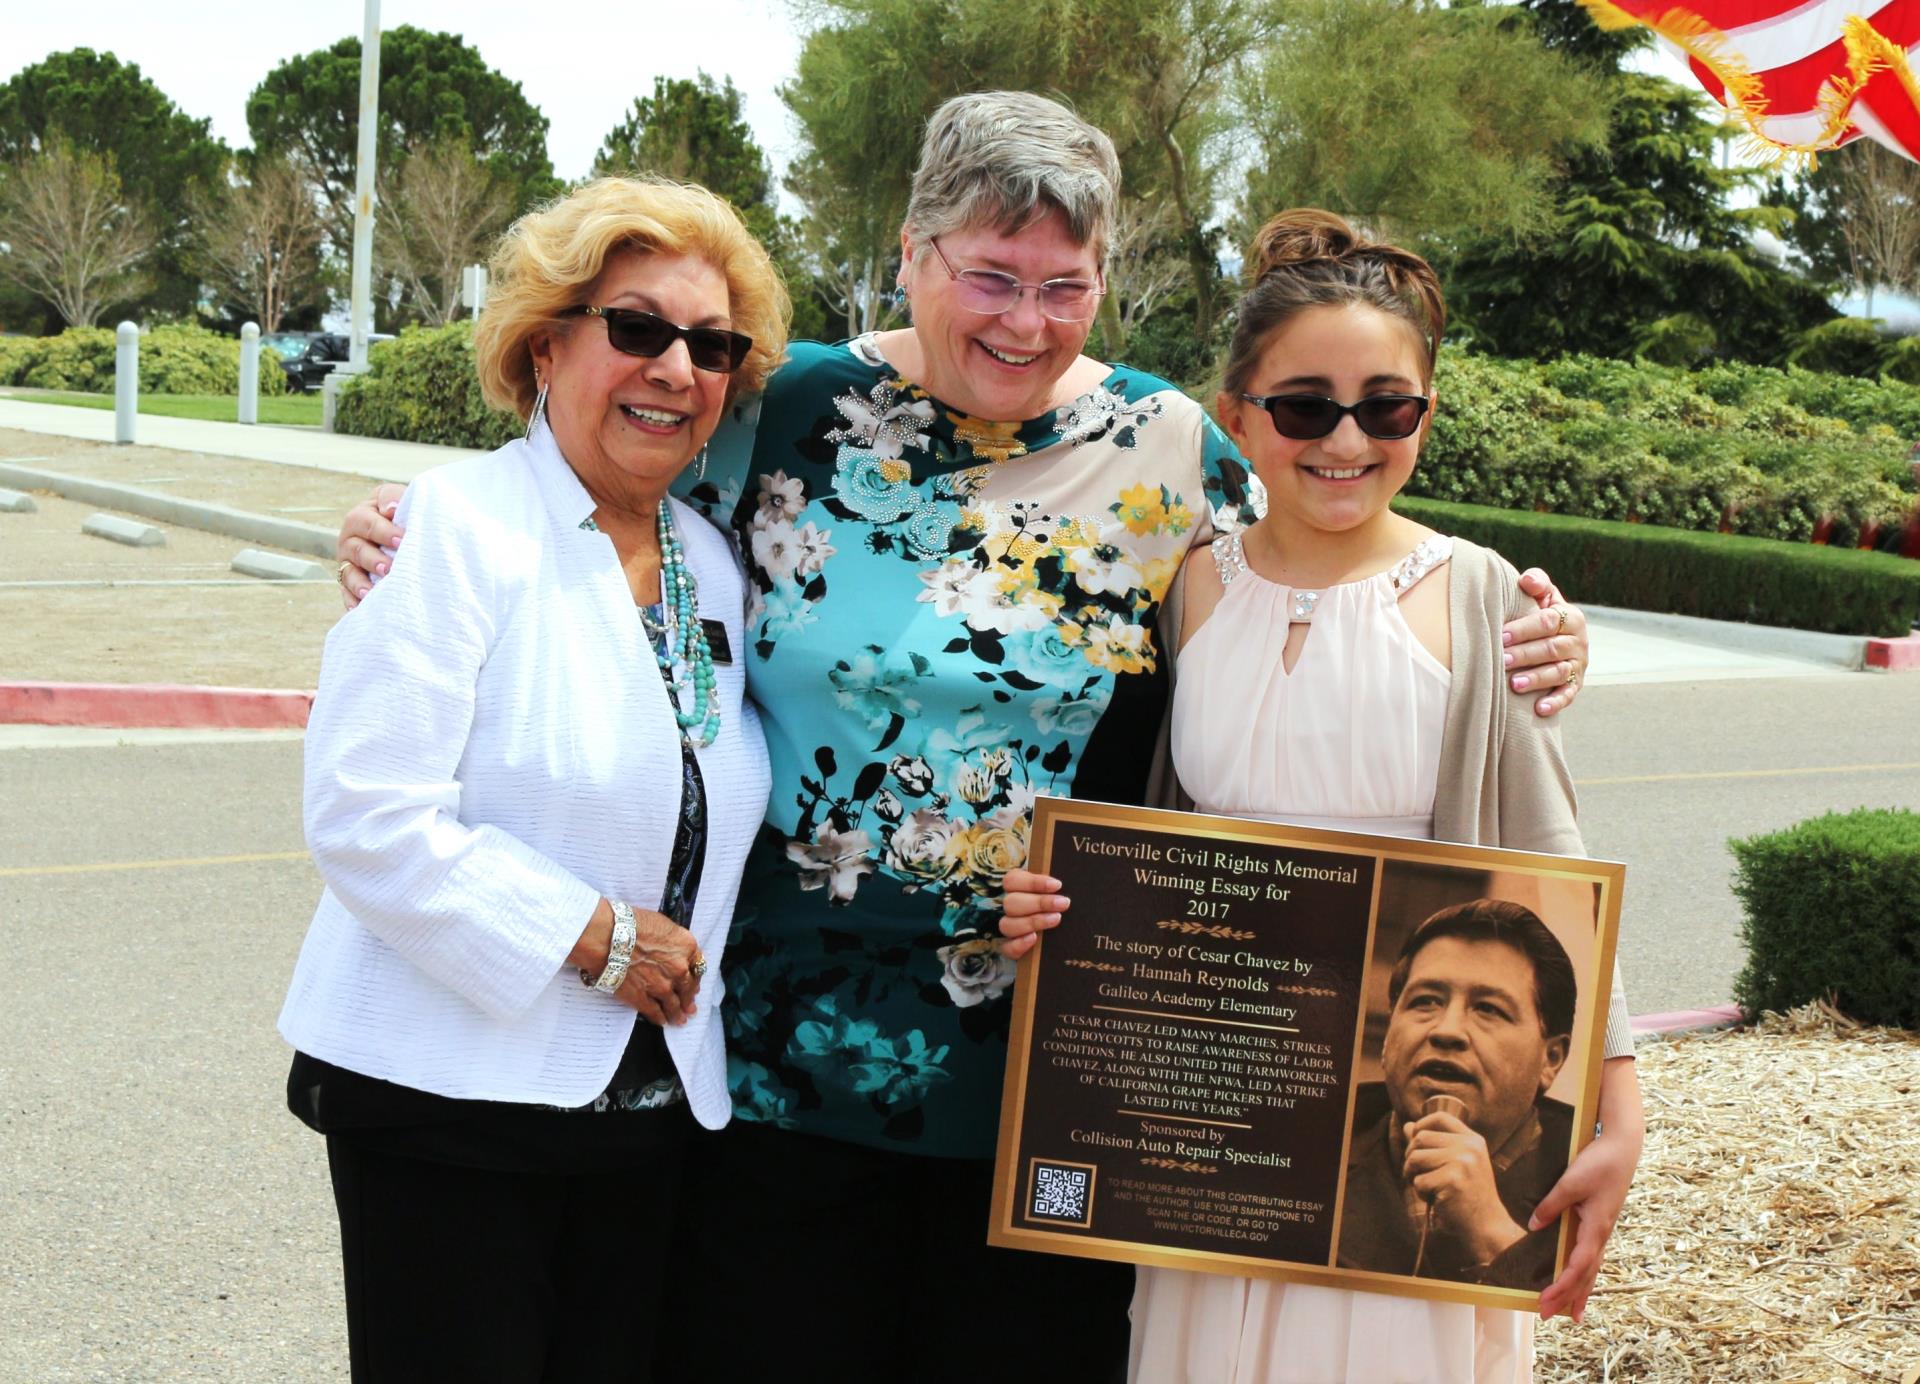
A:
1308,417
647,334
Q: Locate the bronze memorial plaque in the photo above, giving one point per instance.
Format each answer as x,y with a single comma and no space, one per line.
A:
1217,1054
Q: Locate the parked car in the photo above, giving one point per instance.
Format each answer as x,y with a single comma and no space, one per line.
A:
309,357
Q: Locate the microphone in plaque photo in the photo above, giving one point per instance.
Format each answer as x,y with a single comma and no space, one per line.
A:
1456,1147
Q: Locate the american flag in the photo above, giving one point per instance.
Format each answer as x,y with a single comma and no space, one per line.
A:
1801,78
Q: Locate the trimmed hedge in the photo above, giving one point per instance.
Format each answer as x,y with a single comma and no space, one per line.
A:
1742,448
1833,908
1719,576
181,359
422,387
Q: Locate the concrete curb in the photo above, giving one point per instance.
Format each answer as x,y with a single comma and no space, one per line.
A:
170,509
151,705
117,528
254,562
1678,1021
1840,650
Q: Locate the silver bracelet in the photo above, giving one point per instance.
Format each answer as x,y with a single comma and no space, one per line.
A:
619,952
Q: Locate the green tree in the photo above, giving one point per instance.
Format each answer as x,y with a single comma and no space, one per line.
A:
1153,73
433,86
696,131
693,131
1643,231
159,154
1418,121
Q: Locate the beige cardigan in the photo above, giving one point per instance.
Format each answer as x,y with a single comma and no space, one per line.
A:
1503,778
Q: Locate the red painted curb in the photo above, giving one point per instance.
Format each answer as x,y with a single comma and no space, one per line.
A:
1688,1020
1894,655
150,705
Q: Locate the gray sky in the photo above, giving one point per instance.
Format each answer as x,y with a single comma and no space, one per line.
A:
580,61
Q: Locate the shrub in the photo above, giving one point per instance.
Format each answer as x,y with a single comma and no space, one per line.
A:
1845,346
1685,338
175,359
422,387
1833,908
1718,576
1768,453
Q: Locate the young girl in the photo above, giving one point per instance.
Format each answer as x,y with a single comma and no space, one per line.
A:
1335,670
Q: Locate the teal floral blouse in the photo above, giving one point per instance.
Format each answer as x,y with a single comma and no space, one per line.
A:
947,617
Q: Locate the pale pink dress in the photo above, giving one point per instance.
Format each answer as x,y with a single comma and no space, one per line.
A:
1350,739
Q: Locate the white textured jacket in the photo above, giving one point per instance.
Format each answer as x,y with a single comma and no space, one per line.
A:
492,750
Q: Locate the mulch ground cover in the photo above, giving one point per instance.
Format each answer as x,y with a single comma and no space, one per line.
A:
1773,1232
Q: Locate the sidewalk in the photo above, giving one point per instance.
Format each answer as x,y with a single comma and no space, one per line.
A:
304,447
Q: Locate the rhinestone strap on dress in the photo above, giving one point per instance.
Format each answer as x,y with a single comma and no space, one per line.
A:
1229,559
1406,573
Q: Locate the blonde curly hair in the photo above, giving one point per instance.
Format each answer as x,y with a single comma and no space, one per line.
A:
547,259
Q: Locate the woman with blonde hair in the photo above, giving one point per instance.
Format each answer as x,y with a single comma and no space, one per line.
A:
504,1019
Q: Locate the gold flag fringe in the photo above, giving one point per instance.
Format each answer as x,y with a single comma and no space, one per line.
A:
1869,53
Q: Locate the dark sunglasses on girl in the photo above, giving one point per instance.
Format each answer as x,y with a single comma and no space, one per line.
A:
647,334
1308,417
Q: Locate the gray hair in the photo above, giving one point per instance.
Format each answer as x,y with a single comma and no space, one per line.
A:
1007,158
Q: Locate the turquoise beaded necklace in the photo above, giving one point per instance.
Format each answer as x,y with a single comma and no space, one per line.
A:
686,640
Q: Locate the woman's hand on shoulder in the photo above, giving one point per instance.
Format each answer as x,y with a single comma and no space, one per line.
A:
1033,903
367,535
1546,649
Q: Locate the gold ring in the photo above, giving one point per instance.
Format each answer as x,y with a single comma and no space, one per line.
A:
340,573
1560,612
699,967
1573,681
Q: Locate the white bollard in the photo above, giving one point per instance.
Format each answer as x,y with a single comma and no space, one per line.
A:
473,287
250,373
126,381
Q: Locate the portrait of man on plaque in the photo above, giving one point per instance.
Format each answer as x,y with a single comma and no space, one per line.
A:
1463,1117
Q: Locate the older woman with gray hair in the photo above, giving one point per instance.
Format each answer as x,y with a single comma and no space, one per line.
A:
959,537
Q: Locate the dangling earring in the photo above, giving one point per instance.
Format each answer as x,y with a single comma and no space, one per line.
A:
700,466
539,405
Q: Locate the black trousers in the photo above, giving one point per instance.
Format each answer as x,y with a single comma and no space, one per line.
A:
470,1276
808,1259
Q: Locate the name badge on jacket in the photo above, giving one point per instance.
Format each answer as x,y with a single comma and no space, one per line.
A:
717,646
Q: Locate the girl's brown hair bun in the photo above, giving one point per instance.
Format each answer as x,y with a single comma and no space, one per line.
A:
1300,236
1308,258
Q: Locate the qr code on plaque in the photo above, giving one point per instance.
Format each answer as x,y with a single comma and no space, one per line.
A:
1060,1194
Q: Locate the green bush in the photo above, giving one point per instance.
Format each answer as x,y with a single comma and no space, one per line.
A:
1833,908
1767,453
1845,345
422,387
174,359
1718,576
